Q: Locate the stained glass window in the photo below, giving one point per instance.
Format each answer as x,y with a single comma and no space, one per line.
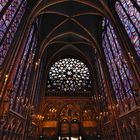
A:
102,98
9,21
121,77
2,4
69,74
27,70
21,79
130,17
22,61
138,2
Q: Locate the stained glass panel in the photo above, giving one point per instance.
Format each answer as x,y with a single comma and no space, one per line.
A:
118,67
28,67
2,4
22,61
138,2
130,18
69,74
9,24
22,69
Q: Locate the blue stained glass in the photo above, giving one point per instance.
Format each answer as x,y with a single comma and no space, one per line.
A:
130,18
2,4
28,65
118,68
9,24
22,62
23,72
8,15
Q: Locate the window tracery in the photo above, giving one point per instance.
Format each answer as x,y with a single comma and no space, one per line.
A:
130,17
69,74
9,22
121,77
2,4
23,71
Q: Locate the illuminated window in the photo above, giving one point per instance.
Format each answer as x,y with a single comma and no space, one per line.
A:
130,17
23,71
118,68
2,4
69,74
9,20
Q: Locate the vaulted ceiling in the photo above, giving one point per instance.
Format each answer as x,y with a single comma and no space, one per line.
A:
70,28
75,23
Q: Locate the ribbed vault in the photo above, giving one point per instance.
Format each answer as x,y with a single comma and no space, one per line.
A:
69,69
70,28
62,17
